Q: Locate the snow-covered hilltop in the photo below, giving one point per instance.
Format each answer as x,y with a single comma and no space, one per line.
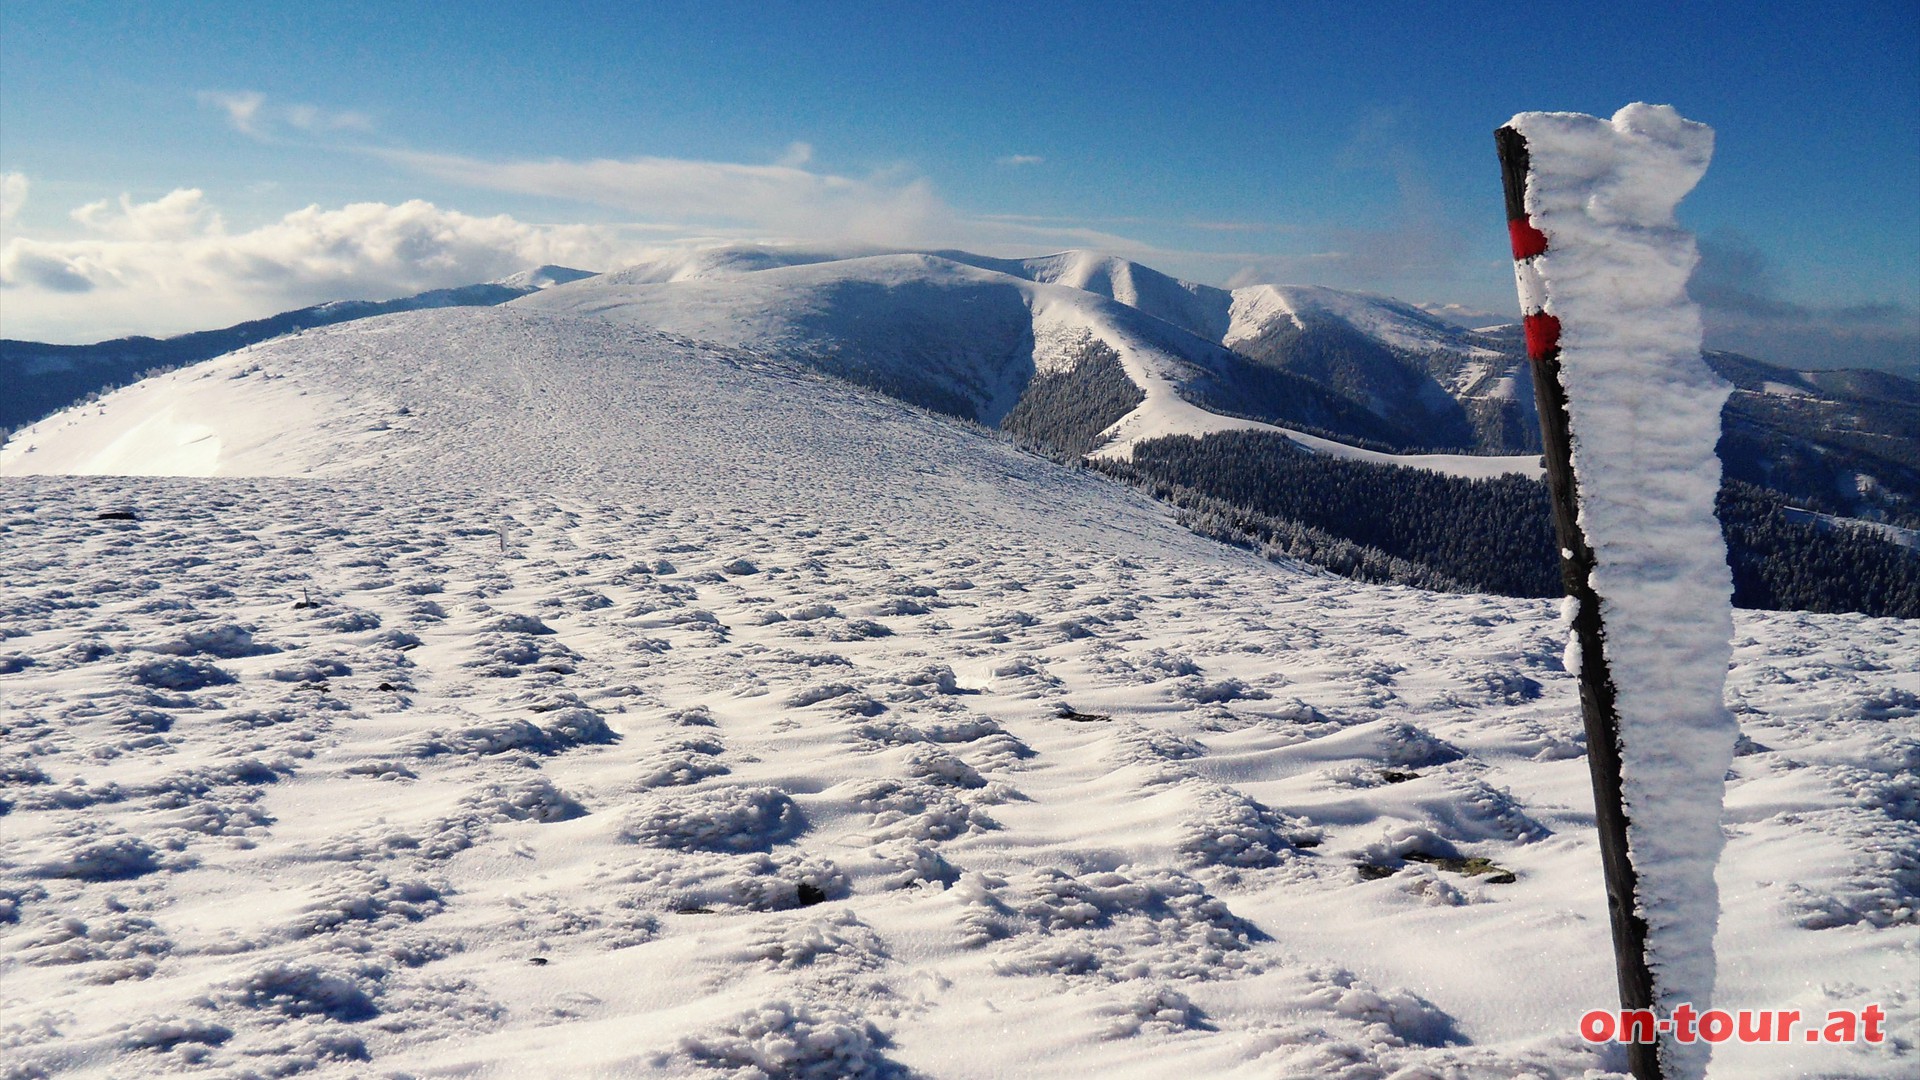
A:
542,277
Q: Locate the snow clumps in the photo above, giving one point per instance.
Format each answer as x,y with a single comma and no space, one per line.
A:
723,820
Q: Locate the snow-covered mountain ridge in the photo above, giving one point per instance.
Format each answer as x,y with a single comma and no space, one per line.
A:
1348,370
1369,371
1352,380
961,333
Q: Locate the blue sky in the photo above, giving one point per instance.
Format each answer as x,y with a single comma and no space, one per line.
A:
160,161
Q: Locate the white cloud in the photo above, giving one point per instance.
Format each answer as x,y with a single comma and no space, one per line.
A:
171,265
798,154
178,215
775,203
782,199
1021,159
13,196
249,113
242,109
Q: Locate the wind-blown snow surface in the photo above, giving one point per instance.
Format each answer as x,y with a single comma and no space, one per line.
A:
661,710
1644,410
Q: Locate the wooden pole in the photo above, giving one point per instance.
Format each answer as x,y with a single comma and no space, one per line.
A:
1597,710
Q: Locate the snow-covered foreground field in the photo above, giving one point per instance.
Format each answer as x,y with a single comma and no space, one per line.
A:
722,717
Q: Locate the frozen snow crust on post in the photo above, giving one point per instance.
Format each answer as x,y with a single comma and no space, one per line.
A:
1645,415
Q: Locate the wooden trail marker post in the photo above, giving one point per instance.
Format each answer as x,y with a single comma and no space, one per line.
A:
1597,710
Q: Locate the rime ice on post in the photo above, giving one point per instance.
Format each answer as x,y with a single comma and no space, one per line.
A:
1604,282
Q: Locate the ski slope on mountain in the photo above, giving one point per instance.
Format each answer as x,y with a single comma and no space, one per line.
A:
963,334
518,694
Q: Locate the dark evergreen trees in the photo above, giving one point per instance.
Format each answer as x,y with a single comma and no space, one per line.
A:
1490,535
1812,565
1062,413
1390,523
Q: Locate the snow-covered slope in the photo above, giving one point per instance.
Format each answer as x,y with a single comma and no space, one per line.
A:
1202,310
1369,367
1426,375
553,698
40,378
964,334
